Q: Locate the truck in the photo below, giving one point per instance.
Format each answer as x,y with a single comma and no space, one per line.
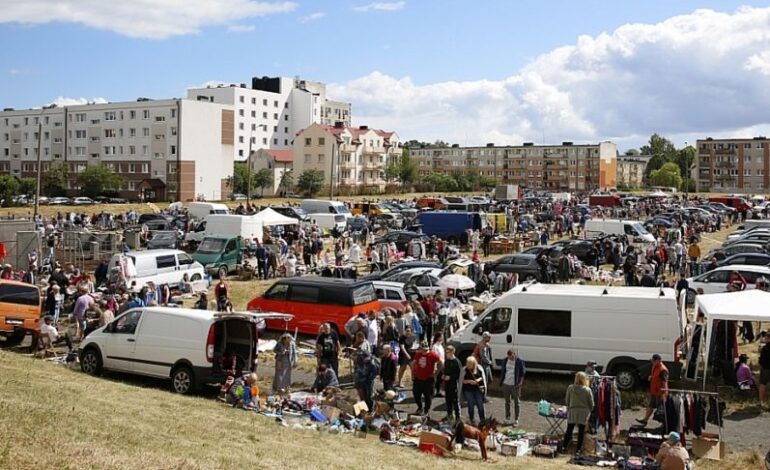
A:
199,210
604,200
246,227
507,192
450,226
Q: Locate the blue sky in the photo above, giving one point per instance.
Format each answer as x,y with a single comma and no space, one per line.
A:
150,48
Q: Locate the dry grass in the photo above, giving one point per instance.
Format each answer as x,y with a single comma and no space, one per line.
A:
53,417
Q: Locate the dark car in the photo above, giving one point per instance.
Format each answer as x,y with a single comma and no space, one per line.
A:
554,252
293,212
582,249
659,222
162,239
525,265
375,276
737,248
161,222
401,238
759,259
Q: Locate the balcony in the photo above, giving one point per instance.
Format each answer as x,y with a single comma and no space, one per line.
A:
349,164
373,165
730,163
725,151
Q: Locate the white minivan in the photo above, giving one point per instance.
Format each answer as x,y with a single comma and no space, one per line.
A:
558,328
185,345
158,267
632,229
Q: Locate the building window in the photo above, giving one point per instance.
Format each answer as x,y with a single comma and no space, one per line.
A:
240,98
253,114
145,150
109,133
240,139
285,130
275,116
173,112
264,115
131,185
173,150
285,117
275,104
253,127
307,158
264,141
132,114
160,118
240,125
146,114
275,128
275,141
253,101
240,153
321,141
160,136
146,132
132,132
285,141
109,150
173,131
321,158
80,134
132,149
110,116
308,141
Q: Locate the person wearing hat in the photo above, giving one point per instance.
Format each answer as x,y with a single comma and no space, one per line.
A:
425,367
658,387
672,454
591,369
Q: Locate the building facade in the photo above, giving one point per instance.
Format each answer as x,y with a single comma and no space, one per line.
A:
270,112
733,165
277,162
631,170
353,157
164,150
566,167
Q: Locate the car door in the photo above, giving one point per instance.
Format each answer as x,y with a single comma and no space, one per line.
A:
504,265
422,283
498,323
120,341
713,282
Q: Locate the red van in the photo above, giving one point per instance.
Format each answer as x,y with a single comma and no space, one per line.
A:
314,300
737,203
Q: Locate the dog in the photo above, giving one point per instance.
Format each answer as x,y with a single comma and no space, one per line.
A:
463,431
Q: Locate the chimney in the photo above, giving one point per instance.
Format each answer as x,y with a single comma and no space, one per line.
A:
363,128
528,144
566,144
491,144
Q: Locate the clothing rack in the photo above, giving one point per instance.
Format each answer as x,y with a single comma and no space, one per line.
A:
709,394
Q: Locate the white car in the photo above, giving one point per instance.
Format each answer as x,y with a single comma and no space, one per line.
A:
715,281
184,345
428,281
83,201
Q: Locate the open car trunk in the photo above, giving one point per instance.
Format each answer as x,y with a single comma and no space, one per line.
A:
235,345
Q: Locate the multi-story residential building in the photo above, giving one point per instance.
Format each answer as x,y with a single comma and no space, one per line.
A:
171,149
273,110
631,170
566,167
733,165
277,162
353,157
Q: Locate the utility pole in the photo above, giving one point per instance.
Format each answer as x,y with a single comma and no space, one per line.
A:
39,169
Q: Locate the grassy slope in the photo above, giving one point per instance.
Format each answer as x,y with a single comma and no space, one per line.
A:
51,417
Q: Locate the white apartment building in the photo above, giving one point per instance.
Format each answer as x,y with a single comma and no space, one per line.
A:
172,149
353,157
273,110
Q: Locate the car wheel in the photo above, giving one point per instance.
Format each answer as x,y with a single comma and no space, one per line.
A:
91,362
222,272
195,277
626,377
183,380
13,339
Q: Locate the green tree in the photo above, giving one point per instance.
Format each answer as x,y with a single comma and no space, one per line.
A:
662,151
27,186
393,170
631,152
9,187
668,175
685,159
53,181
407,168
96,179
239,181
311,182
262,179
287,181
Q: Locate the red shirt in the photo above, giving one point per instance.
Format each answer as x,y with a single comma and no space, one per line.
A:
424,364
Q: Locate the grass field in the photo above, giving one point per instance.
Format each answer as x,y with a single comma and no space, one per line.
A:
52,417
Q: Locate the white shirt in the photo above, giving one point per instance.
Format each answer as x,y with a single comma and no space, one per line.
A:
355,253
373,332
49,330
439,349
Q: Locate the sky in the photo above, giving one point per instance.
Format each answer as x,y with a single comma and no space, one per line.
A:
466,72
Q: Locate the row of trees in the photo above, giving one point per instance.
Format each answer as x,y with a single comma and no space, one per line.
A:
668,165
93,181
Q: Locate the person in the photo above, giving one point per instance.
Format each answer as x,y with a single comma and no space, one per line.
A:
580,402
372,332
483,354
221,295
251,392
54,302
325,377
438,348
328,347
285,360
82,304
511,379
672,455
361,344
743,373
451,378
406,345
202,303
693,252
590,370
106,316
474,387
48,329
388,367
425,368
764,371
364,374
658,387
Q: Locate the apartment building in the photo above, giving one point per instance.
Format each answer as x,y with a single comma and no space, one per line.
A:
172,149
631,170
270,112
353,157
566,167
277,162
733,165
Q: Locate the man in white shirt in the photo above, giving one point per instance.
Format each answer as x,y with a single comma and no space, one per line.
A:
47,329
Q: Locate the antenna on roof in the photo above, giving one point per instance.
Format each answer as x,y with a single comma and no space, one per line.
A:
524,289
661,293
604,292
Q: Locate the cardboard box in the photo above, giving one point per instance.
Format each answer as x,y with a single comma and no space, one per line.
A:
517,448
438,440
708,448
359,407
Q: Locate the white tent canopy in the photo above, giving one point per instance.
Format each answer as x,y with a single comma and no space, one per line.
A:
270,217
748,305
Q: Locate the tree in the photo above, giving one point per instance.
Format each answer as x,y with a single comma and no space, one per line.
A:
9,187
631,152
287,181
662,151
27,186
393,170
407,168
685,159
311,181
668,175
239,181
262,179
53,181
96,179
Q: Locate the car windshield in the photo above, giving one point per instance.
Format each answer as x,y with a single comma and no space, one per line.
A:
640,229
211,245
163,236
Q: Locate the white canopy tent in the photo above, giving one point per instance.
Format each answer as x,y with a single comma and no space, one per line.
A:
751,305
270,217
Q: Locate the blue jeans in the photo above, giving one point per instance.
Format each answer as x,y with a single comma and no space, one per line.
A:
475,399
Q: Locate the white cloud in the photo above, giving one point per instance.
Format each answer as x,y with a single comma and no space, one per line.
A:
19,71
312,17
689,76
153,19
66,101
241,28
380,6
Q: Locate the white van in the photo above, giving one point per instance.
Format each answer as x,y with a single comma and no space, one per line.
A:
632,229
247,227
321,206
329,222
182,344
199,210
159,266
559,328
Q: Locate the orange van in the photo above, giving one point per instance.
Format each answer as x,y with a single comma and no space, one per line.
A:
21,310
314,300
